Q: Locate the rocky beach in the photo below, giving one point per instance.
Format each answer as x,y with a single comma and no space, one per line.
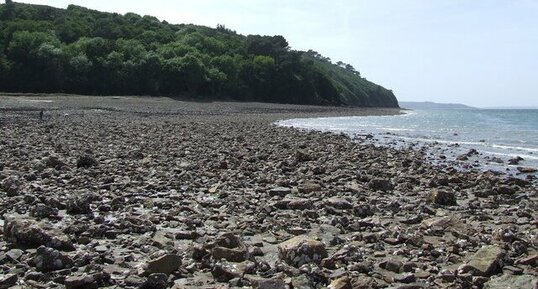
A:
140,192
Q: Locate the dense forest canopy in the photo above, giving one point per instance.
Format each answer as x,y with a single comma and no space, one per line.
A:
78,50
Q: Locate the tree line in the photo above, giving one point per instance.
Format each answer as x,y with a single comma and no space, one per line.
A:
78,50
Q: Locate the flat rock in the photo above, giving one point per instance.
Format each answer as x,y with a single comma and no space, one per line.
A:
8,280
302,250
512,282
81,282
279,191
339,203
526,170
166,264
272,283
487,260
14,254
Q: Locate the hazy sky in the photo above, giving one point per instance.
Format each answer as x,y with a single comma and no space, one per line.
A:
480,52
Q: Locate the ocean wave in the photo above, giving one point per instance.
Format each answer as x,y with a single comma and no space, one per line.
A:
514,148
512,155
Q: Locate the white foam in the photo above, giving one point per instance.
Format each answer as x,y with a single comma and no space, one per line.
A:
515,148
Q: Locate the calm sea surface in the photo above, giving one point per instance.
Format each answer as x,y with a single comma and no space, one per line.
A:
496,133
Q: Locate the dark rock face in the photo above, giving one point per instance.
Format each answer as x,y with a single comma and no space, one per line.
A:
226,199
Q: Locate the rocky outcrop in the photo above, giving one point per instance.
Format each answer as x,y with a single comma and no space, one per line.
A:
27,232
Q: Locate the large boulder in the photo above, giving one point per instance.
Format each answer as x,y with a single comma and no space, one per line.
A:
302,250
27,232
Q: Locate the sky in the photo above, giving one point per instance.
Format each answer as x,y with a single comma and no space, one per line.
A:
482,53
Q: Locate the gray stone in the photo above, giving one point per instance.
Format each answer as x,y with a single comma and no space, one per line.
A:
49,259
230,247
391,265
81,282
155,281
43,211
512,282
225,271
273,283
11,185
379,184
8,280
166,264
280,191
27,232
301,282
526,170
79,204
86,161
339,203
405,278
53,161
487,261
14,254
340,283
302,250
442,198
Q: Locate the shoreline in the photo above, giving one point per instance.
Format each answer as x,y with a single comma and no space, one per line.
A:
205,195
438,151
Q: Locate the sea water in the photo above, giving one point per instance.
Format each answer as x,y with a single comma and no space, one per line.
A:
497,134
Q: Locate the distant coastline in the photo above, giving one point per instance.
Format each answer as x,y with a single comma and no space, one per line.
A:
432,105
